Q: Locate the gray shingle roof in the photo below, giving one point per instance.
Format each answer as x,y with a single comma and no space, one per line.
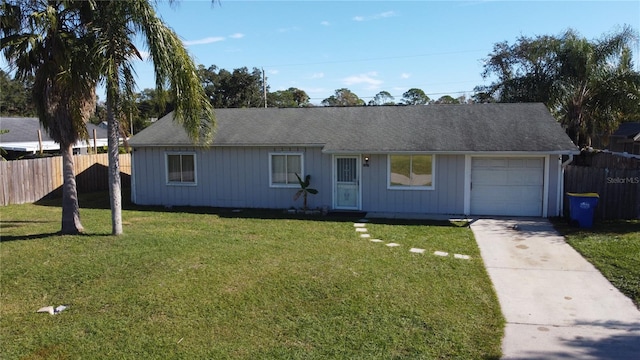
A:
431,128
628,130
26,129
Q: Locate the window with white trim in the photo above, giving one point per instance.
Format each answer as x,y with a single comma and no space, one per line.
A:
283,169
411,172
181,168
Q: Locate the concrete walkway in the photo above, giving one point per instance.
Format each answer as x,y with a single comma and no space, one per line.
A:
556,304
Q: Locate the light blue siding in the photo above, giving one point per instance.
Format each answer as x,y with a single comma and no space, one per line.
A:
239,177
447,197
227,177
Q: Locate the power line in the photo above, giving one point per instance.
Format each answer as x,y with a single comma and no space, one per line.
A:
372,59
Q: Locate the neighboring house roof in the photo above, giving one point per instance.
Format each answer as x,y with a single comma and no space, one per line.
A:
23,135
629,130
371,129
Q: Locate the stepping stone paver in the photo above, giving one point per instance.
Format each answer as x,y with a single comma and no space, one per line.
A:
365,236
376,240
417,251
359,225
441,253
459,256
361,229
392,244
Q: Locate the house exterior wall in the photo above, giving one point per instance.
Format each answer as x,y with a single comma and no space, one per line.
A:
227,177
555,185
447,196
239,177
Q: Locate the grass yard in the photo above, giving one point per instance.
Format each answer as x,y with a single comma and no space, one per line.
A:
614,248
206,283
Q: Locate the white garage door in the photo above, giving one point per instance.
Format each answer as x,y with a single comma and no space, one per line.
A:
507,186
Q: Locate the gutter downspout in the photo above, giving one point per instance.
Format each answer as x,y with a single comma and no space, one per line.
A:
561,184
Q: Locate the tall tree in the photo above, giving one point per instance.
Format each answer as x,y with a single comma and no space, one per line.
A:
343,97
15,96
117,25
290,98
382,98
415,96
446,99
45,40
590,86
239,88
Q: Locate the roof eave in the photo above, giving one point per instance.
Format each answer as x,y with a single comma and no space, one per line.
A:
455,152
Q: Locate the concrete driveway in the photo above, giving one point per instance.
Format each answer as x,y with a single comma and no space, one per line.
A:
556,304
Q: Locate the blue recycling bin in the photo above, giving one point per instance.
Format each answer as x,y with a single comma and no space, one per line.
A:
581,207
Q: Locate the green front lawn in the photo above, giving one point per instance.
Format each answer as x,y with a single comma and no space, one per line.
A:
217,284
614,248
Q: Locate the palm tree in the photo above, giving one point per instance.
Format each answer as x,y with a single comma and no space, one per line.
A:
116,25
589,86
595,85
44,39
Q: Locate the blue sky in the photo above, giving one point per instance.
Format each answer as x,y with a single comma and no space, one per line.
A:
370,46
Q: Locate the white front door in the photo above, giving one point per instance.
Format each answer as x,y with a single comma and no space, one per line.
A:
346,180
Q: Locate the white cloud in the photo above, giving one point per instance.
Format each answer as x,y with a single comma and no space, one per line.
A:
289,29
273,72
207,40
368,78
319,75
237,36
325,23
405,75
382,15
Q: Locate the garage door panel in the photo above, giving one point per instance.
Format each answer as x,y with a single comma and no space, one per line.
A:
524,177
489,177
507,186
491,162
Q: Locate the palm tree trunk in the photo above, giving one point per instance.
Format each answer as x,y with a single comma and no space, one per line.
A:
70,208
115,191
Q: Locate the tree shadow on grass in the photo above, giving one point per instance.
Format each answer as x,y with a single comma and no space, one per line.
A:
100,200
619,227
7,238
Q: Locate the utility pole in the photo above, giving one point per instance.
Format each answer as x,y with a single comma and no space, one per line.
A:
264,88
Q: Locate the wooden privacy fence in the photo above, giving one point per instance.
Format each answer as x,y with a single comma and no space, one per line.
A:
27,181
616,179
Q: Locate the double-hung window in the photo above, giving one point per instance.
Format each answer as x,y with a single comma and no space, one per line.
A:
411,172
181,168
283,169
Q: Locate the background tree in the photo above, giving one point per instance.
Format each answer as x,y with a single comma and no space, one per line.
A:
290,98
589,86
525,71
446,99
415,96
45,40
343,97
151,105
382,98
15,96
238,89
118,25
